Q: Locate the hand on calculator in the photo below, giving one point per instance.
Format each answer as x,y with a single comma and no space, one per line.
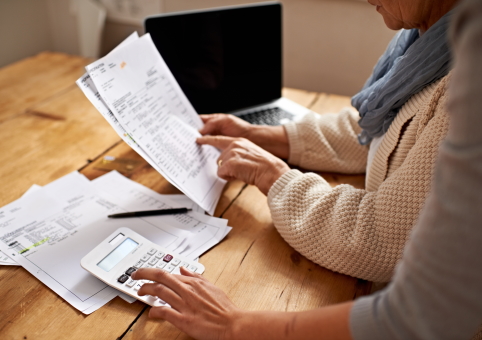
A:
199,308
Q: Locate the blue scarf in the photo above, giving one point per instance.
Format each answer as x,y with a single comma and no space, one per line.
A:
408,65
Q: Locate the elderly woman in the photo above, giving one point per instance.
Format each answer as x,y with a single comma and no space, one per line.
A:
436,291
403,120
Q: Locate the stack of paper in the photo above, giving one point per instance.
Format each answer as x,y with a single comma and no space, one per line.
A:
136,93
50,229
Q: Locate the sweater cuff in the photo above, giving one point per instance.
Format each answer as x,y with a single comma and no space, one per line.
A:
363,322
295,142
279,185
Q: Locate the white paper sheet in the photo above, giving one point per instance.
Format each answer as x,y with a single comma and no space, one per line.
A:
184,201
141,92
50,230
204,231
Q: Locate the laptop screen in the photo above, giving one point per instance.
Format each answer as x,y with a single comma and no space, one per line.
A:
224,59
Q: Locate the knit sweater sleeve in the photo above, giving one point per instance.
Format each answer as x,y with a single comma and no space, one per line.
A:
327,143
353,231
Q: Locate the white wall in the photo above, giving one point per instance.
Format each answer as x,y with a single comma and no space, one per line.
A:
24,29
329,45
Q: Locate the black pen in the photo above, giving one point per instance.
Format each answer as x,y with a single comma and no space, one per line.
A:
151,213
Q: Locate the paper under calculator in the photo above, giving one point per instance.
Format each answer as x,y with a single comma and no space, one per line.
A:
123,252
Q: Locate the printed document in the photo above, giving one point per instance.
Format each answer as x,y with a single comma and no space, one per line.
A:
134,90
49,230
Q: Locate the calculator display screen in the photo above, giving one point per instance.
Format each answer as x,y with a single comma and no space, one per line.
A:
117,254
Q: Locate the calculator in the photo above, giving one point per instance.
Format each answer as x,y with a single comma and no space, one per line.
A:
123,252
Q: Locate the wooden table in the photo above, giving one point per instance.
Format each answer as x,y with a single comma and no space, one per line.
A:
49,129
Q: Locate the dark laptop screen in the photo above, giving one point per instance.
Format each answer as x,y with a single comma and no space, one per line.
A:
224,59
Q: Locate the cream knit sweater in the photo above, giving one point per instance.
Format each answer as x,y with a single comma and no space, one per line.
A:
361,233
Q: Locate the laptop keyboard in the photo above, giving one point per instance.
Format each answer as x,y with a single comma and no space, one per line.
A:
271,116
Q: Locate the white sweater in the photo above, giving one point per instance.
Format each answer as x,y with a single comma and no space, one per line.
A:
361,233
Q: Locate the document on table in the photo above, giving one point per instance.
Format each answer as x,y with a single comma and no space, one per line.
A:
151,110
49,230
204,231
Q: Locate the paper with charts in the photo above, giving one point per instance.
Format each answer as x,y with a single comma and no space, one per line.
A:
135,91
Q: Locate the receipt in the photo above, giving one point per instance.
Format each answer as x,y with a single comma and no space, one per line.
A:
140,91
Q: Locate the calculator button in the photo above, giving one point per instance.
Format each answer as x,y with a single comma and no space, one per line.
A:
160,255
185,264
161,265
153,261
138,286
175,262
130,271
145,258
192,268
131,283
138,264
152,251
123,278
167,258
169,268
147,265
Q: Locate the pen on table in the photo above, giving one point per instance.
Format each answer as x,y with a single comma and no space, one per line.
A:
151,213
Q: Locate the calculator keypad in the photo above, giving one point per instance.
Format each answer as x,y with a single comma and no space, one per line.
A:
152,259
123,278
130,271
131,283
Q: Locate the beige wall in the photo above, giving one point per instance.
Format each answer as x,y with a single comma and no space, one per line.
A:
24,29
329,45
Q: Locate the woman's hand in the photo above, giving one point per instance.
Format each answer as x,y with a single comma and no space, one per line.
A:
199,308
220,124
203,311
243,160
271,138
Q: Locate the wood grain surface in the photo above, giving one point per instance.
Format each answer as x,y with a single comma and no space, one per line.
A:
50,129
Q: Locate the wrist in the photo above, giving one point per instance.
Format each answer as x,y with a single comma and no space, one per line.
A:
274,174
240,325
273,139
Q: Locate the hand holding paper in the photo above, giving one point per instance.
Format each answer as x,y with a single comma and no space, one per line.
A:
134,90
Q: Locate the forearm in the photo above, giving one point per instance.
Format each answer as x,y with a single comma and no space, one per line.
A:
330,322
271,138
327,143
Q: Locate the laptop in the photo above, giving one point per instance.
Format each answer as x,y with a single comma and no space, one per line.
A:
228,60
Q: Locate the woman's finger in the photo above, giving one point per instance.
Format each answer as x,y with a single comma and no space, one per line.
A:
165,313
220,142
189,273
161,291
212,126
205,118
160,276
